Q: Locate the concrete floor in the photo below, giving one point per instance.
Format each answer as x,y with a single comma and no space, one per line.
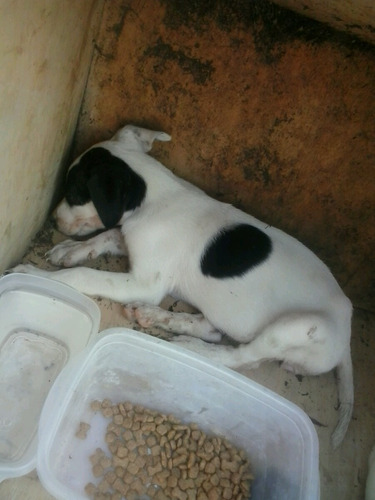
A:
342,472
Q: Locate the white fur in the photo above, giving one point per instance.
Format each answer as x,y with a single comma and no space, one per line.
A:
79,220
289,308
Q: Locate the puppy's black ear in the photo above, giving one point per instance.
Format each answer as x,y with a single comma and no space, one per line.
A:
107,192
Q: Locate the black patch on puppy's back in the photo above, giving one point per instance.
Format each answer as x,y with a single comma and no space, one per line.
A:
108,182
234,251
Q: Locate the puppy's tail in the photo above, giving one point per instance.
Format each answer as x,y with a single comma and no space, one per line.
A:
344,372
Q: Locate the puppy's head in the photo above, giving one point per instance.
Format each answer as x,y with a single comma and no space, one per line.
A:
100,188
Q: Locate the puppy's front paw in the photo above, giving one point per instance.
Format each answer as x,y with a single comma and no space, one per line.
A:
26,269
69,253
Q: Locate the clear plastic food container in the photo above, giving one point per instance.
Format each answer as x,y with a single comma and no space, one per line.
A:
43,324
124,365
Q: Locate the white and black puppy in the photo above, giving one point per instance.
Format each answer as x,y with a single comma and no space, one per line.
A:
251,281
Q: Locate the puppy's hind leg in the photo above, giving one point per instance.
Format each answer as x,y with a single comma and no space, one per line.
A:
291,338
194,325
308,342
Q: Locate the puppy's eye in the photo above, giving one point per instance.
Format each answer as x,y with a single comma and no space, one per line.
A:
76,192
76,196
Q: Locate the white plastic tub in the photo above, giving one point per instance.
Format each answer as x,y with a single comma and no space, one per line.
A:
124,365
42,325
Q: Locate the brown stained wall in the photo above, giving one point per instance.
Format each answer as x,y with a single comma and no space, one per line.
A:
356,17
267,110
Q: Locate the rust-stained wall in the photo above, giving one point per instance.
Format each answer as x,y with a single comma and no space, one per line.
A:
267,110
354,16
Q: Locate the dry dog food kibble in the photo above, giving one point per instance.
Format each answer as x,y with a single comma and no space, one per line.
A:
82,430
156,456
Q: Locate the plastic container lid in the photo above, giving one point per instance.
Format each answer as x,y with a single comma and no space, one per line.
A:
278,437
43,324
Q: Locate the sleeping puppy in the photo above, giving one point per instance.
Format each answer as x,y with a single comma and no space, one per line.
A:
250,281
